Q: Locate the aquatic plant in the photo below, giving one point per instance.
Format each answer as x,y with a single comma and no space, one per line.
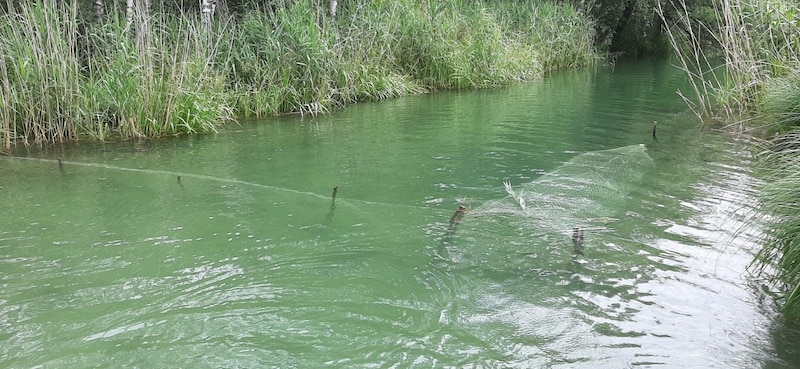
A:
64,79
296,59
779,258
40,70
756,88
133,74
755,41
280,61
170,85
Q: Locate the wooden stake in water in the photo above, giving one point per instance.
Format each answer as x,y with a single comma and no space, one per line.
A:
577,239
179,182
61,165
329,217
457,216
655,127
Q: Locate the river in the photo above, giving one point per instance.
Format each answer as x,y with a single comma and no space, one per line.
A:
234,250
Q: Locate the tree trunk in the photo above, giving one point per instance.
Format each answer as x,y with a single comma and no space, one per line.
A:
138,21
98,9
332,8
207,11
129,9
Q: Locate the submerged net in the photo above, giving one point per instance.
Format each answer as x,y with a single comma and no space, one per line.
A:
577,193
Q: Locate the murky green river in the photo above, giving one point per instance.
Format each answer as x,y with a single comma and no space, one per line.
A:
228,250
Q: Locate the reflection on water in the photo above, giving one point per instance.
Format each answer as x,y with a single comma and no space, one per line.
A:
231,251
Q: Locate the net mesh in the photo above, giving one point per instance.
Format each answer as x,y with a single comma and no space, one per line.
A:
581,190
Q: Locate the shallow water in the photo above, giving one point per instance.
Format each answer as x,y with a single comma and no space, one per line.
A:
228,250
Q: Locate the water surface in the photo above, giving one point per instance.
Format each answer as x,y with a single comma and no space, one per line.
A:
228,250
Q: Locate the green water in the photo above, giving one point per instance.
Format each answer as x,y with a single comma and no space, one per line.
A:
247,262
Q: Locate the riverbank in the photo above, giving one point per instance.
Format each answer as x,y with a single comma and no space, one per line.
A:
67,76
757,93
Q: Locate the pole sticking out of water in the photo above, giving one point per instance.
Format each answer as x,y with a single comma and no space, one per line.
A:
179,182
329,217
61,165
655,127
577,240
457,216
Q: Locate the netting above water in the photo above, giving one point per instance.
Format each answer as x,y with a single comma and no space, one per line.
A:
584,188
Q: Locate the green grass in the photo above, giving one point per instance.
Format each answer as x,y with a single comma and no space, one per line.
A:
62,85
67,76
756,90
296,59
41,74
779,258
160,82
755,42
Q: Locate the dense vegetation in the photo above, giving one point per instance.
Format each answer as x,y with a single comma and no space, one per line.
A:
69,72
756,91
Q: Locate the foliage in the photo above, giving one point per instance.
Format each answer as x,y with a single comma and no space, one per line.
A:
69,74
759,91
64,80
40,74
779,258
295,59
629,27
758,58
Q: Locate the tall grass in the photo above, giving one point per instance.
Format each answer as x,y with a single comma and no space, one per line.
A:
755,42
160,82
296,59
60,84
779,258
281,61
159,74
41,74
756,89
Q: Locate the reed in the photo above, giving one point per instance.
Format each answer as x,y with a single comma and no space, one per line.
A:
560,36
756,88
145,75
281,61
60,84
296,59
160,81
780,104
41,74
779,258
755,41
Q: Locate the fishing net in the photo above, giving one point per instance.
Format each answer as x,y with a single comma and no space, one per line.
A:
581,191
